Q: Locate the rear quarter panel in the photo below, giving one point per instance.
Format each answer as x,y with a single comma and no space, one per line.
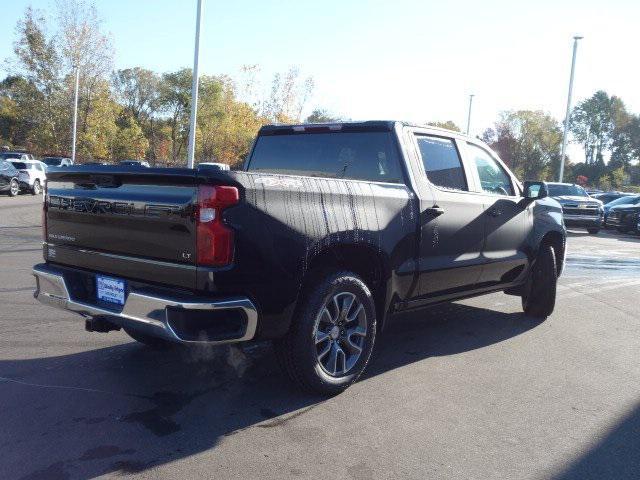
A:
283,222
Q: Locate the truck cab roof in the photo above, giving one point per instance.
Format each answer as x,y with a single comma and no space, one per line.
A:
355,126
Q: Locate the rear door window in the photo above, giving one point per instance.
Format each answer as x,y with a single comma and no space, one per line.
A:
370,156
442,162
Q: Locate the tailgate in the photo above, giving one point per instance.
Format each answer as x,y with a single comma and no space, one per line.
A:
131,222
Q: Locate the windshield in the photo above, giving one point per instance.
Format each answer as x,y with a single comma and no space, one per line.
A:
52,162
20,165
632,200
559,190
8,156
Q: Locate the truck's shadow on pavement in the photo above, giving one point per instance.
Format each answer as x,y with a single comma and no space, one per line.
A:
127,408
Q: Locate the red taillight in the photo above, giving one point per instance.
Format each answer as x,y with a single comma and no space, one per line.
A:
214,238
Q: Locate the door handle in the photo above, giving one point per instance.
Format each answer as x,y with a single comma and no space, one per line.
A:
495,212
434,211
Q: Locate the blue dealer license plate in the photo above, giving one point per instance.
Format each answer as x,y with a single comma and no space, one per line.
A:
110,289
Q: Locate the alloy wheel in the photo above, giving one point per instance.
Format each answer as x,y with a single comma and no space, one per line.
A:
340,333
15,188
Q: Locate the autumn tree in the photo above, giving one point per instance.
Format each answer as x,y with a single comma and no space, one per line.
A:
528,141
288,96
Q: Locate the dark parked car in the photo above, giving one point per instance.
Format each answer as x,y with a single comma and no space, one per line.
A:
578,208
610,196
23,156
9,178
328,232
57,161
624,217
134,163
626,200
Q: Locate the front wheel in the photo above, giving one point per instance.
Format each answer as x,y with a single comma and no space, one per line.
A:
539,298
37,188
332,335
14,188
593,231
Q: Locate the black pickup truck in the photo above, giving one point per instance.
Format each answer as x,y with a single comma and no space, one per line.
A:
326,232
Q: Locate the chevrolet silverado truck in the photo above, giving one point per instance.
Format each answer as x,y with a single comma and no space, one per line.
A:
578,208
325,234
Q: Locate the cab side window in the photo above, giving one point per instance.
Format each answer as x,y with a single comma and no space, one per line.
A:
442,162
493,178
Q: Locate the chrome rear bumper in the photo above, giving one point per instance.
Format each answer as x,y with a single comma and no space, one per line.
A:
142,311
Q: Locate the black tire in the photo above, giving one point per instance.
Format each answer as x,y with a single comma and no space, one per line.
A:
37,188
539,298
150,341
300,352
14,188
593,231
623,229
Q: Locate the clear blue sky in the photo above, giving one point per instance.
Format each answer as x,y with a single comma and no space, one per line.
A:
407,59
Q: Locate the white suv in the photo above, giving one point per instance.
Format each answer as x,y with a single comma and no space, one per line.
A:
32,175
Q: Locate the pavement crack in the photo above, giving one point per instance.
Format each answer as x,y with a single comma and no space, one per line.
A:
68,387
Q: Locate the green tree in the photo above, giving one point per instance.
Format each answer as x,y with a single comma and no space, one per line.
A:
528,141
594,121
138,91
320,115
625,145
97,139
129,141
174,101
12,127
40,97
226,126
448,125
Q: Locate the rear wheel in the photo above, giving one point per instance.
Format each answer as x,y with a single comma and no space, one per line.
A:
593,231
331,336
37,188
623,229
148,340
539,296
14,188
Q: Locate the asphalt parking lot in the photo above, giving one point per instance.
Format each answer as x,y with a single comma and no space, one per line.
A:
472,389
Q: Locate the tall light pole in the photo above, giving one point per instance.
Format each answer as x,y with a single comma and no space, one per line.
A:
75,117
469,114
194,91
568,114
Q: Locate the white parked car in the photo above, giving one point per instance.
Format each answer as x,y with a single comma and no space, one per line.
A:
33,174
215,165
57,161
